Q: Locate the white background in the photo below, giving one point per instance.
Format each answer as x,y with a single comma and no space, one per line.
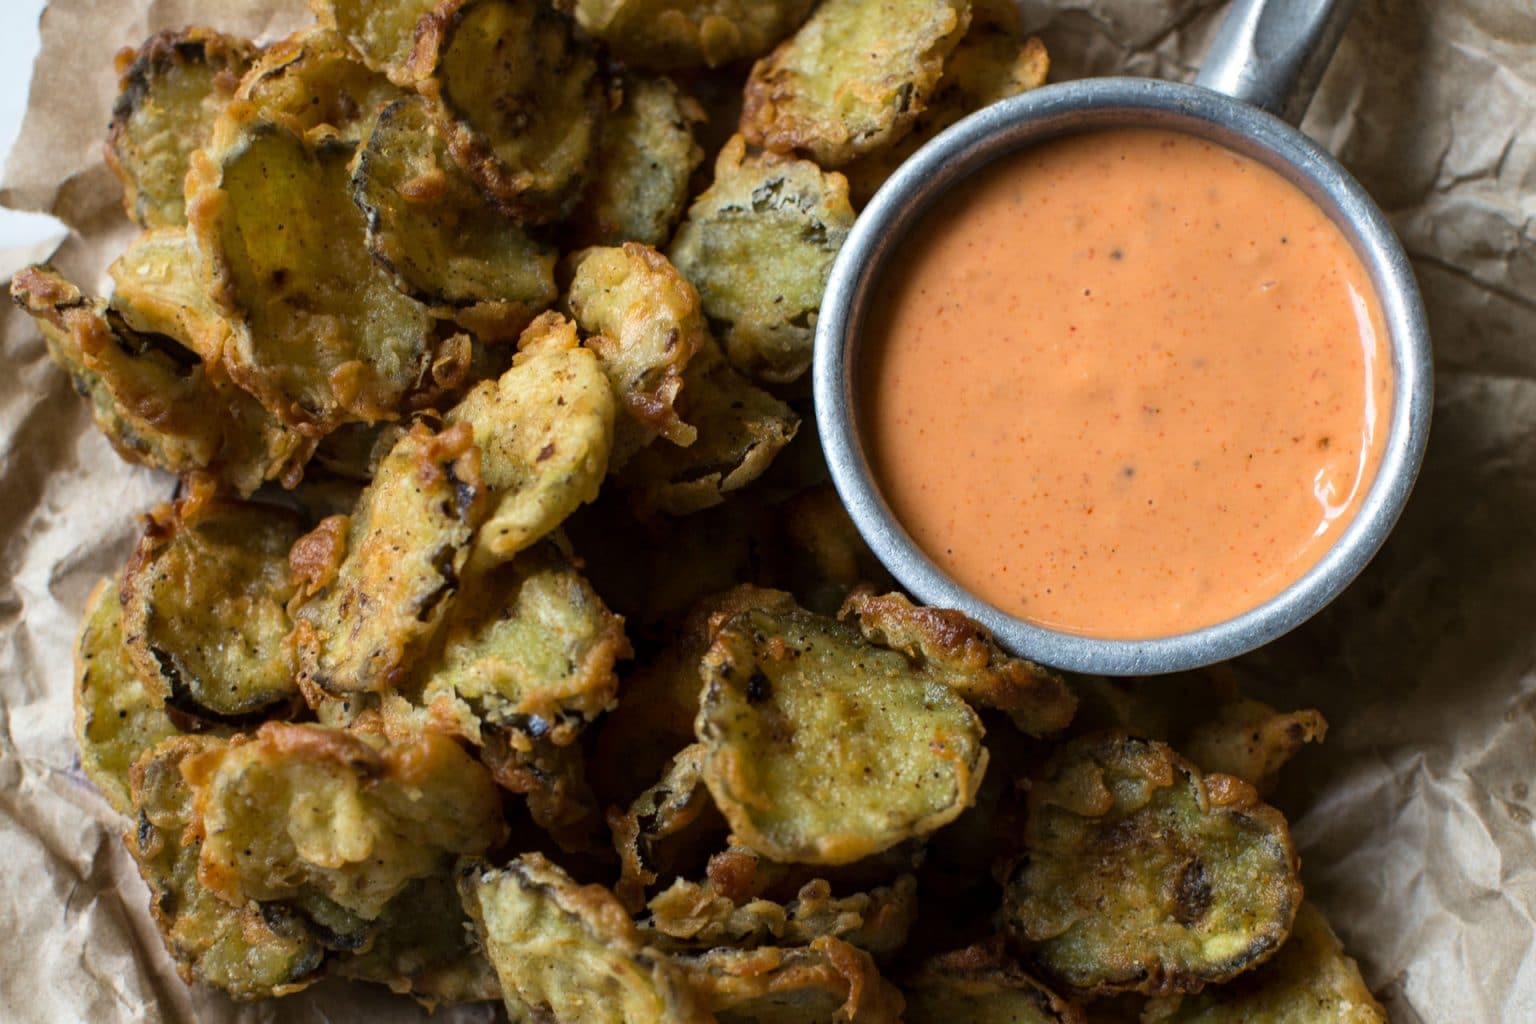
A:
18,48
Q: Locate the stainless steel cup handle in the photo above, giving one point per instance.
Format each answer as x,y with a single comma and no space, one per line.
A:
1272,53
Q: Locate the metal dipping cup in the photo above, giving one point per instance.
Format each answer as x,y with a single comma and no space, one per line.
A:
1257,81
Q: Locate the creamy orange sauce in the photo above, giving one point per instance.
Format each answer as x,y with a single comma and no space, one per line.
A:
1125,384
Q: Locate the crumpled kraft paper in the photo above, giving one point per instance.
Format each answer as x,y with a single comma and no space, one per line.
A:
1414,820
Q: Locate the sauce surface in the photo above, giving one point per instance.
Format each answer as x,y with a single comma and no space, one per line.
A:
1125,384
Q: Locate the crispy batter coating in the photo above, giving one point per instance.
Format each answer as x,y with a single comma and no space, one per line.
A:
696,917
383,32
529,645
759,245
644,324
990,64
670,824
302,810
1140,874
544,432
962,655
524,98
157,287
742,428
233,947
431,228
116,717
854,77
204,607
1253,741
646,155
150,394
567,953
373,588
313,84
170,91
823,748
981,985
667,34
321,335
1311,979
829,982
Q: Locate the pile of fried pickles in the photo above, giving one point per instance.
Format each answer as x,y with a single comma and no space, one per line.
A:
505,640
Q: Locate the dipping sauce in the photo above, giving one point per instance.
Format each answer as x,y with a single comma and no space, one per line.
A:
1125,384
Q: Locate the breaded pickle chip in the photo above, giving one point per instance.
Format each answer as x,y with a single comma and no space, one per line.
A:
646,154
374,587
151,395
666,34
567,953
981,985
823,748
423,946
313,84
1310,980
169,93
552,777
525,96
962,655
383,32
697,916
302,811
116,717
991,64
645,327
158,289
741,428
669,824
829,982
1140,874
322,336
759,245
229,946
430,227
204,607
544,431
1253,741
529,640
853,78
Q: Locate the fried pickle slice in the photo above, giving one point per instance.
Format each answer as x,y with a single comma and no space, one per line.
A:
435,233
1140,874
544,432
157,288
157,403
758,245
204,607
423,946
566,952
670,34
1253,741
741,429
646,155
982,985
321,335
991,64
1310,979
524,97
644,324
373,587
552,777
229,946
313,84
116,717
529,645
963,656
829,982
664,827
383,32
853,79
823,748
170,91
302,811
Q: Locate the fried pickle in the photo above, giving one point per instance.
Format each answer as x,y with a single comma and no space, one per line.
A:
829,982
383,32
667,825
823,748
552,777
568,953
1253,741
313,84
853,78
1142,875
669,34
981,985
759,245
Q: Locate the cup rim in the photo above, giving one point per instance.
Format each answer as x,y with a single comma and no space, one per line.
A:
1070,108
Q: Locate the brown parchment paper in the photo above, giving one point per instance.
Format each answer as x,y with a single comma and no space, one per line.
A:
1414,820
